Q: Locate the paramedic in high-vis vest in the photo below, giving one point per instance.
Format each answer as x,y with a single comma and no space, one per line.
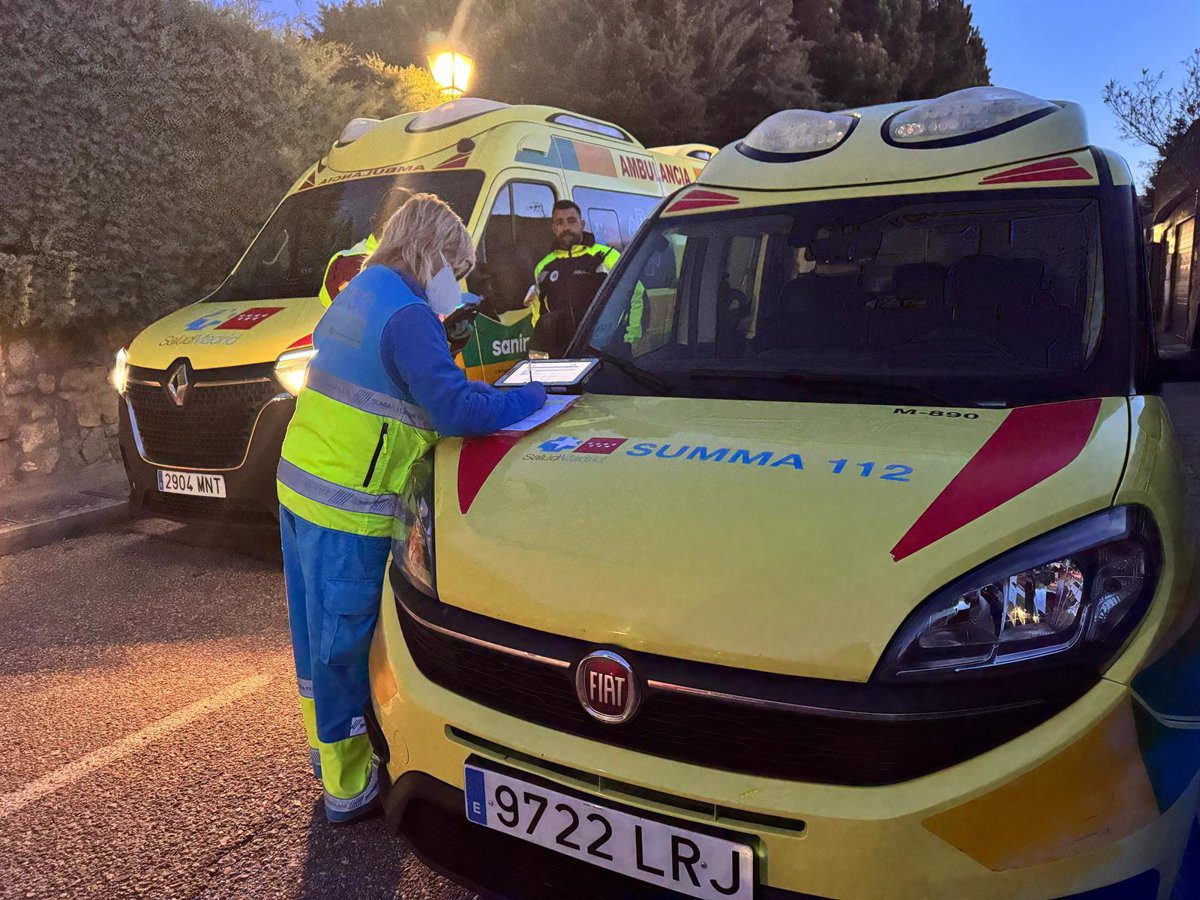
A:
345,264
380,391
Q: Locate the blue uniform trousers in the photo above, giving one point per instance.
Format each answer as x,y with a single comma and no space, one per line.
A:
334,581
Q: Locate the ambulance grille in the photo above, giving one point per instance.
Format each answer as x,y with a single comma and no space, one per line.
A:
213,426
803,743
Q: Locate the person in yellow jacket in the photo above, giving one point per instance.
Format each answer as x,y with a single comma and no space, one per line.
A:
379,393
347,263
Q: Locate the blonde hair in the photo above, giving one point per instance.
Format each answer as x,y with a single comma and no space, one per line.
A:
418,235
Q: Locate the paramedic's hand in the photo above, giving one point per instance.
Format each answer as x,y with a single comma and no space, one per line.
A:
530,295
537,391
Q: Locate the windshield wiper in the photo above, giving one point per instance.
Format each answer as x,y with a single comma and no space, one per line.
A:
633,371
818,380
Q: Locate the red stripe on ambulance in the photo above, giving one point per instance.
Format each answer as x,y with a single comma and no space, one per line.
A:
1030,445
700,199
1062,169
477,460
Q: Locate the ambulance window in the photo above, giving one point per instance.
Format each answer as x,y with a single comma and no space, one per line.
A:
589,125
289,255
516,236
604,224
615,214
980,297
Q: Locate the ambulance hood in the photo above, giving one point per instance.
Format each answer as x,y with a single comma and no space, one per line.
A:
212,335
781,537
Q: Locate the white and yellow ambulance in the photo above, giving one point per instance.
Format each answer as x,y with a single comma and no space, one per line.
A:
208,390
865,573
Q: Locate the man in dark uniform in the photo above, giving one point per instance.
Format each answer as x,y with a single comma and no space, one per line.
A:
566,280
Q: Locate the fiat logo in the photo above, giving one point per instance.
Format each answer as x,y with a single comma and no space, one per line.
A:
606,687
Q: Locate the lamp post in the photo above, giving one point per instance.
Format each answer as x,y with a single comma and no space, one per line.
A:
452,71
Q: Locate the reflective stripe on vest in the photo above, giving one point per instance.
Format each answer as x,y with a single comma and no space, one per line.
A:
338,496
365,399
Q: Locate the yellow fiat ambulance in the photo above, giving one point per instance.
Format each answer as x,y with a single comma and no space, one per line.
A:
208,390
863,573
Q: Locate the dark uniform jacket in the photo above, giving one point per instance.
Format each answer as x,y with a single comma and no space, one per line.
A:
566,282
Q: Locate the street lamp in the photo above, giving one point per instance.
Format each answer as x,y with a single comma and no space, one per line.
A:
452,71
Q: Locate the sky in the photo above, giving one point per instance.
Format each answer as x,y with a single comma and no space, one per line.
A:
1061,50
1069,49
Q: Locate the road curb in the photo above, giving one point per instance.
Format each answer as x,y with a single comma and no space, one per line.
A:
67,524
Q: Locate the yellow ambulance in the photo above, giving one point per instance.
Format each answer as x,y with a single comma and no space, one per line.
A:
864,573
208,390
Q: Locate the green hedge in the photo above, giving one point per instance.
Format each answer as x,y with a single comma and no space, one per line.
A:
144,142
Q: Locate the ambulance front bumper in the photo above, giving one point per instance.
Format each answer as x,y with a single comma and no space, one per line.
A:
239,440
1076,807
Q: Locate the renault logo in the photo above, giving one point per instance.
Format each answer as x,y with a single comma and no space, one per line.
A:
177,384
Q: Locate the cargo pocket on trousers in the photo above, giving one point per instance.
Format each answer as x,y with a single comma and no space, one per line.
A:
351,611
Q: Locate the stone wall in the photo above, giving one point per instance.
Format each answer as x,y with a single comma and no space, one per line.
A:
58,412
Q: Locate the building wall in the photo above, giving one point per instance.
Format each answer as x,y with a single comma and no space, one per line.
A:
58,412
1177,275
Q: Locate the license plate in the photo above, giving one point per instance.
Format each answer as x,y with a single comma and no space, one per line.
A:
197,484
678,859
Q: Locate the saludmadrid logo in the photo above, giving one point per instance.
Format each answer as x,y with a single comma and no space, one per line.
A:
569,449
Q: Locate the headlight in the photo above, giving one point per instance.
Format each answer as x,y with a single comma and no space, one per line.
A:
1071,596
796,133
119,377
292,368
969,112
412,529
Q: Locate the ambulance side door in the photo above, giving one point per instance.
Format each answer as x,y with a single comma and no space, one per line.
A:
514,237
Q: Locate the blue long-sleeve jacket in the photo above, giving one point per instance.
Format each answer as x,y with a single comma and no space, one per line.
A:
416,357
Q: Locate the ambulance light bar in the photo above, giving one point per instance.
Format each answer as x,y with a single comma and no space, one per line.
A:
964,116
796,134
584,124
453,112
355,129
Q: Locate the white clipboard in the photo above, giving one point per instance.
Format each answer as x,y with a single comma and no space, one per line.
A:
556,404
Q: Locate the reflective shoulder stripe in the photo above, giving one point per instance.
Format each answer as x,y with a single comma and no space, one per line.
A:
365,399
336,495
546,260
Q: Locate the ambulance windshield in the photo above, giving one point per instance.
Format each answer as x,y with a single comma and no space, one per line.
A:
289,256
842,296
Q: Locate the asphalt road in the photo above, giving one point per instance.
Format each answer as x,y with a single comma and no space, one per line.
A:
150,742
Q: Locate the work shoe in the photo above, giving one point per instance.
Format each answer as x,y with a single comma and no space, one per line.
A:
371,810
340,811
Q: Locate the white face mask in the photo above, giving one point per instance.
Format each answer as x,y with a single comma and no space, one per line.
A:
443,292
